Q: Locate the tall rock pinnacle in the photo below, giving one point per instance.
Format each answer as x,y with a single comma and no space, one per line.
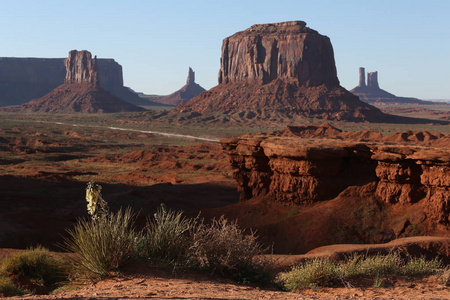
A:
362,77
81,68
372,80
191,77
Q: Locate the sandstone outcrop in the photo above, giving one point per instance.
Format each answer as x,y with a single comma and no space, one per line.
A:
281,67
186,93
24,79
81,91
405,176
373,94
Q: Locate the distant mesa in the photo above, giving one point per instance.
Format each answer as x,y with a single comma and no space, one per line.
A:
80,92
372,94
284,68
186,93
24,79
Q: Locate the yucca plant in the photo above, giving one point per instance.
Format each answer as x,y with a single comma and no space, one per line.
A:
102,245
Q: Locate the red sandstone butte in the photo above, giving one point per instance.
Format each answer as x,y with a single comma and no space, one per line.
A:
80,91
281,67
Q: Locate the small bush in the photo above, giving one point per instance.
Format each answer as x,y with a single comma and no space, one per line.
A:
166,237
8,288
359,265
311,274
37,264
444,276
101,245
422,266
324,273
223,247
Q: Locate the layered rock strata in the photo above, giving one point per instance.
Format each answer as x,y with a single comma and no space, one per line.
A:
186,93
306,165
285,67
80,92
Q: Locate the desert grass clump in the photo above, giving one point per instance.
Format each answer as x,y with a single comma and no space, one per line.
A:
8,288
223,247
311,274
322,272
444,276
375,265
101,245
166,236
422,266
37,265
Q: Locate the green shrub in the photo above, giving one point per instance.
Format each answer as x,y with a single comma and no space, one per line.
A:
37,264
166,237
379,264
422,266
324,272
102,245
8,288
310,274
223,247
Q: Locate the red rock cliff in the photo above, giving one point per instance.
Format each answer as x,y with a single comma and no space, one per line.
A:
288,51
81,68
408,172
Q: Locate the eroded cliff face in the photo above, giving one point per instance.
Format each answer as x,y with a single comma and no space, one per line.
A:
287,51
401,172
281,68
81,68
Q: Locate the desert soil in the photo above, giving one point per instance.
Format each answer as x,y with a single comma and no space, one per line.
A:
189,286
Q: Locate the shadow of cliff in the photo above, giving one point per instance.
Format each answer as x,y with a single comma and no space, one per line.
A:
394,119
35,211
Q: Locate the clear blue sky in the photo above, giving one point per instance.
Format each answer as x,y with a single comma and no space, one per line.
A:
406,41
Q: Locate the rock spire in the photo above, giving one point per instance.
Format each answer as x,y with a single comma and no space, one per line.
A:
186,93
362,77
191,77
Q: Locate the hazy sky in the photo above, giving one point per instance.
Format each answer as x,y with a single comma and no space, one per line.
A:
406,41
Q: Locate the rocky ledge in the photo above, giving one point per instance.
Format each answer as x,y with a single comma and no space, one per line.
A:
407,173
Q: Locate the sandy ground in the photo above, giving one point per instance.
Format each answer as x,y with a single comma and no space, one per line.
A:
198,287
